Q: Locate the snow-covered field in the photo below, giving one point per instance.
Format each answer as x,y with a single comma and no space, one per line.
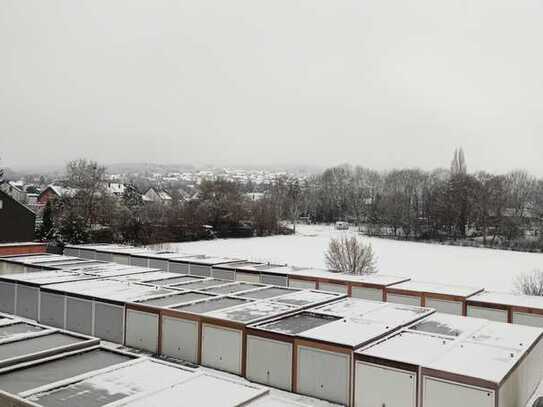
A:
491,269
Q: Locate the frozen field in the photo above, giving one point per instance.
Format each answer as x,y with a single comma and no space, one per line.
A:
492,269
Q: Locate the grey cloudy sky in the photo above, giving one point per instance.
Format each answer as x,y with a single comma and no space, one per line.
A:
382,83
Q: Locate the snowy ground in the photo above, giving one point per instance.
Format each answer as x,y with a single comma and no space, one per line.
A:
491,269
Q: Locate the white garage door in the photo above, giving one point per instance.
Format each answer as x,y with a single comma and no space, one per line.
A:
404,299
249,277
27,302
52,309
367,293
323,374
142,330
523,318
121,259
269,362
440,393
378,386
294,283
180,338
336,288
447,307
221,348
7,297
491,314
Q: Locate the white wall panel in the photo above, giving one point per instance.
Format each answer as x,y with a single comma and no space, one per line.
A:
384,386
221,348
404,299
142,330
440,393
445,306
180,338
367,293
323,374
491,314
269,362
294,283
337,288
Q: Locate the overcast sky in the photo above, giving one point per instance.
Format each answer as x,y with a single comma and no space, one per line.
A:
381,83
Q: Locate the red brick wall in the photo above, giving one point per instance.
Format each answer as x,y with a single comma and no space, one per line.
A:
22,249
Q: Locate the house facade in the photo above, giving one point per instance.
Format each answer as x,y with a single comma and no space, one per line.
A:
17,221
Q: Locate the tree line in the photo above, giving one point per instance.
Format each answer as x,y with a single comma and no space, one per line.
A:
220,209
504,210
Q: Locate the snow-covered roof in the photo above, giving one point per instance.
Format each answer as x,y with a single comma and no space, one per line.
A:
252,312
315,273
408,347
204,259
109,289
115,188
131,379
482,349
349,322
448,325
349,307
201,390
243,265
308,297
436,288
152,276
61,191
508,299
44,277
33,259
491,363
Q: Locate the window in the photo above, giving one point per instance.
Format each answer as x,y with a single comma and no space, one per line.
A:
1,204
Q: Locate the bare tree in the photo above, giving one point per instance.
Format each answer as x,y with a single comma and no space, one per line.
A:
350,255
1,172
530,283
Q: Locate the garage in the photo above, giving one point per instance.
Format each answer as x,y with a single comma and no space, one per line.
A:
378,385
224,333
506,307
499,365
98,305
143,318
387,372
184,322
24,290
330,347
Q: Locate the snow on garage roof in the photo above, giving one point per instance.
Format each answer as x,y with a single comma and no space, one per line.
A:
357,330
45,277
118,382
203,390
308,297
349,307
436,288
160,277
252,312
242,265
375,279
514,300
206,260
448,325
161,255
415,348
491,363
109,289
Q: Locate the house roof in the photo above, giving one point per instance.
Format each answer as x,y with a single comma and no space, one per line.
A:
5,195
